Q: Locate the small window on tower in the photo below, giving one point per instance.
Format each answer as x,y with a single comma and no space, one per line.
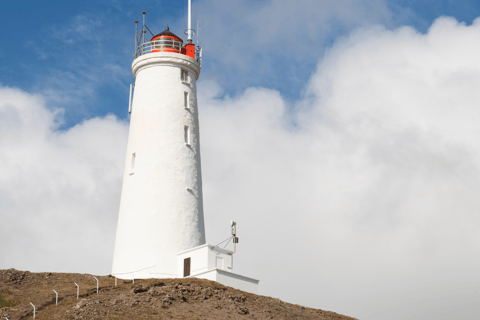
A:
185,101
132,164
184,76
187,135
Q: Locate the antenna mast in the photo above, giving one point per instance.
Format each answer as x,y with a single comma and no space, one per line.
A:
198,33
233,225
199,48
143,27
189,40
136,37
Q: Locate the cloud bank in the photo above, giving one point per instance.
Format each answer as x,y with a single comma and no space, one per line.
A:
361,198
364,198
59,190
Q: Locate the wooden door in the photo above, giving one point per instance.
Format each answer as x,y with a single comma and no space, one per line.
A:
186,267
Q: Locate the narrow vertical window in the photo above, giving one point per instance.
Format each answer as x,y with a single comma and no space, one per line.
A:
185,100
184,76
132,164
187,135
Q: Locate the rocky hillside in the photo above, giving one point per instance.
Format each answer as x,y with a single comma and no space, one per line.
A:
145,299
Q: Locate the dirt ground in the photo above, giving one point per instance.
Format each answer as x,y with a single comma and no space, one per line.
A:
145,299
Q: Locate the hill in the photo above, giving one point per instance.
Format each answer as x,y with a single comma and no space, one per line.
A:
189,298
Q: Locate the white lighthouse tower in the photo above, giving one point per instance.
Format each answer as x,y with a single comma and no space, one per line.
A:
161,232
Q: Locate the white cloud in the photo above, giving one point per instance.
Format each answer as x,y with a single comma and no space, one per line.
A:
362,199
59,190
368,203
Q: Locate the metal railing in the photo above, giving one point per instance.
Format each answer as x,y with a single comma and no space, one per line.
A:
164,45
160,45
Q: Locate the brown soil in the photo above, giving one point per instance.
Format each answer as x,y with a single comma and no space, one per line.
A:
146,299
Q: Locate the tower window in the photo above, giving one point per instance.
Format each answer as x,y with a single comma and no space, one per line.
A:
132,164
187,135
185,100
184,76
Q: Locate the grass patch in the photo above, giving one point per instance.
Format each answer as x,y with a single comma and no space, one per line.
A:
6,303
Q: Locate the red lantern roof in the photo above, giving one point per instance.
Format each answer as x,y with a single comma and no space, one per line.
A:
166,34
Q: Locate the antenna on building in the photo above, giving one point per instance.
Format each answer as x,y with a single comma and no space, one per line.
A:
143,27
189,32
132,86
136,37
199,49
233,225
198,33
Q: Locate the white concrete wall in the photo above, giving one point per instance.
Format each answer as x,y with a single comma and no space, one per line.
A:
216,253
198,259
158,215
237,281
204,258
203,266
230,279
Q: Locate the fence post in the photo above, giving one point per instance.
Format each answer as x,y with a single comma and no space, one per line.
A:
33,310
56,300
97,283
78,289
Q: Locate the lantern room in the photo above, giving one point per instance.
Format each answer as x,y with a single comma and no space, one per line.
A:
167,41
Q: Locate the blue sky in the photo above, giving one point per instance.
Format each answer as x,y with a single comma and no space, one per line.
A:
349,128
88,45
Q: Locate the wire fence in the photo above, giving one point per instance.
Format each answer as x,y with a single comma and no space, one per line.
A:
59,297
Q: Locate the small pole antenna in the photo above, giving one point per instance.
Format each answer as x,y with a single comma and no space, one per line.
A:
199,48
233,224
136,37
130,99
198,33
189,40
143,27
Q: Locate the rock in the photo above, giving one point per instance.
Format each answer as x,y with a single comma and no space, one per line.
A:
243,311
155,292
240,299
159,284
82,303
140,289
12,275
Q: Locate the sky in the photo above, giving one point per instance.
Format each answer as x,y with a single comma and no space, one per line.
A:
342,136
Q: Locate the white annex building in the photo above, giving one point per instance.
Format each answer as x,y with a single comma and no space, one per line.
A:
161,229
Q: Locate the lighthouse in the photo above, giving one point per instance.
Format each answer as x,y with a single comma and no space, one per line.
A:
161,229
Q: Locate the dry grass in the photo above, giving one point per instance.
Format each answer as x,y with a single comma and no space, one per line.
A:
6,303
146,299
